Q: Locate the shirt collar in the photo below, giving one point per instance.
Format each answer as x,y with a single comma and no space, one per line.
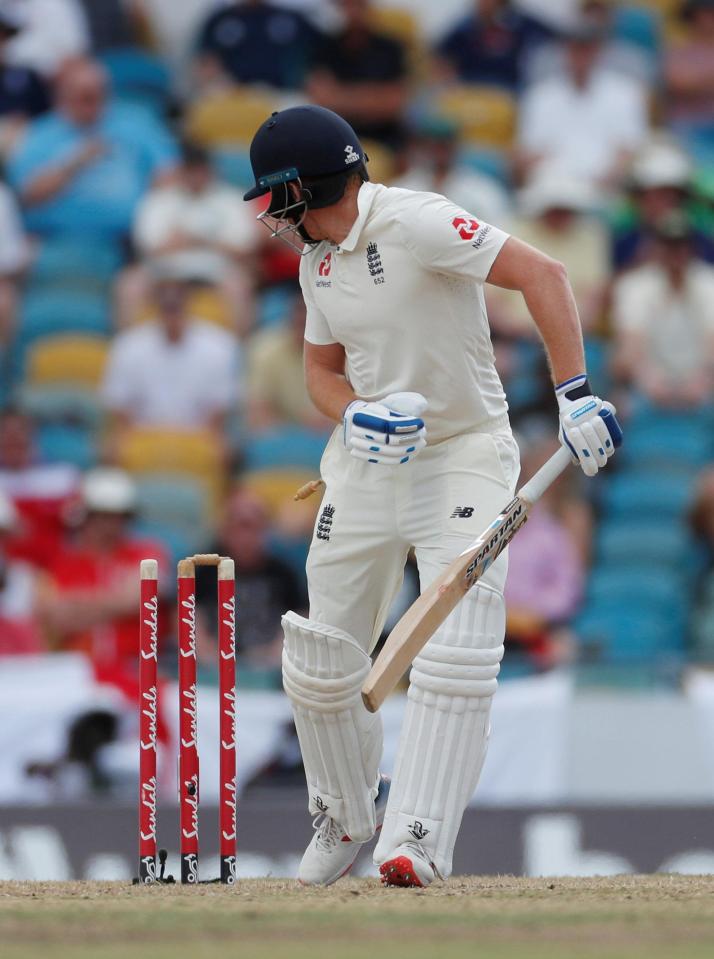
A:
364,205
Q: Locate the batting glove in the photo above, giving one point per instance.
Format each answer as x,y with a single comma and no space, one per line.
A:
583,429
390,432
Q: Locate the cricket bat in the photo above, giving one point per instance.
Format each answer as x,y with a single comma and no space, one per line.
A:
429,611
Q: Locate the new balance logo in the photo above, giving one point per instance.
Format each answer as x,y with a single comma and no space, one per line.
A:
417,830
462,512
350,155
324,524
321,804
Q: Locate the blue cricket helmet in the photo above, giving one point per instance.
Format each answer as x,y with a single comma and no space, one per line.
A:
310,144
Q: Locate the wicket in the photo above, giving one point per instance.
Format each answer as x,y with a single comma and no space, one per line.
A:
188,764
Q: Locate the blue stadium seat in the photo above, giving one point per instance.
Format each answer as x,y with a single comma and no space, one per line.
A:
628,634
639,27
656,587
138,77
52,404
176,501
71,261
178,543
234,167
628,542
67,443
493,163
48,313
273,306
646,493
285,447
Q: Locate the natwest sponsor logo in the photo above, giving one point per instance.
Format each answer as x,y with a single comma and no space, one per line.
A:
466,227
325,265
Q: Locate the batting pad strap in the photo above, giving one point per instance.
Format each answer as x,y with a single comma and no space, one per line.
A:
341,743
456,671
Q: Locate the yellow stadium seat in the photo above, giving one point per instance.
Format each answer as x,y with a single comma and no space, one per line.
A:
196,453
486,116
403,26
229,117
76,361
207,303
381,161
277,487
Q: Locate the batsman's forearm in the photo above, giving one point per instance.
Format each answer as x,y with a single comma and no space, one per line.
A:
329,391
552,305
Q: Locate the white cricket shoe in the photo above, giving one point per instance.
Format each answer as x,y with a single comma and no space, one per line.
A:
409,865
331,853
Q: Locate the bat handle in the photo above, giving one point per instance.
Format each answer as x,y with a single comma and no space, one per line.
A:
547,474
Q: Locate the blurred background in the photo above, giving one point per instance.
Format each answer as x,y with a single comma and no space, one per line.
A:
152,403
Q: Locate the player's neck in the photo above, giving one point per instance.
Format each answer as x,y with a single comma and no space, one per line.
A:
334,223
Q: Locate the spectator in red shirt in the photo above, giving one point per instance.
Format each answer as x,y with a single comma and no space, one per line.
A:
39,491
92,599
19,632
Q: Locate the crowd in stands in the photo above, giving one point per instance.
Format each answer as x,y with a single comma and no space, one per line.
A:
151,392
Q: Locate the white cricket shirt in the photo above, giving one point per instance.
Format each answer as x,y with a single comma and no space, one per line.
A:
403,293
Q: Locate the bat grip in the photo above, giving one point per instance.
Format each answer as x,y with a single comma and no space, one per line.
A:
547,474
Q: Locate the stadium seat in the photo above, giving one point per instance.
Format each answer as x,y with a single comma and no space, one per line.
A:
53,312
285,447
639,27
493,163
625,543
381,161
139,78
207,303
70,261
177,541
190,453
644,492
176,501
486,115
63,404
656,586
76,361
403,26
277,487
233,166
627,634
273,305
66,443
229,118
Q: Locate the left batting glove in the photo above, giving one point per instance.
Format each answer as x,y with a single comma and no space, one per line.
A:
583,427
390,432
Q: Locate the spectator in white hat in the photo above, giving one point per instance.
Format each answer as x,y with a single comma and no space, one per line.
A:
92,598
556,214
659,181
663,315
588,119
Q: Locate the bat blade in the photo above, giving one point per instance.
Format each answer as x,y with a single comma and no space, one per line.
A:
429,611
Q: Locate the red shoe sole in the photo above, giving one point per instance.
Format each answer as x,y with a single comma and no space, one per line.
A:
399,872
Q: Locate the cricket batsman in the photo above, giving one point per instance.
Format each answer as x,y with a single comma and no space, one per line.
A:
398,354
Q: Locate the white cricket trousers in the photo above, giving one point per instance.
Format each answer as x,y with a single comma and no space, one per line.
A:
372,515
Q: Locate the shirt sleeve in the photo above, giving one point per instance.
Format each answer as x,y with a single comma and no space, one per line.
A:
629,308
444,238
317,329
225,378
118,386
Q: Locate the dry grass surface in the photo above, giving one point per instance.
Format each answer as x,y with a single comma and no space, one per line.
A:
638,917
